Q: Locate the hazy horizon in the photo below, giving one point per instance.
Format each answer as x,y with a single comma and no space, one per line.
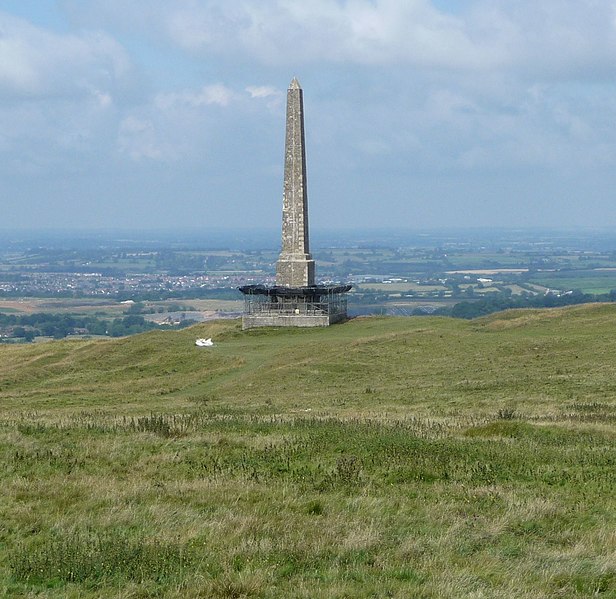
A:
269,238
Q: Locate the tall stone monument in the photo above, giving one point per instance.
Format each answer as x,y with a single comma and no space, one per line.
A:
295,300
295,267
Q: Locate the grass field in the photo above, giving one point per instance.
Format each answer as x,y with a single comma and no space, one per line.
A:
208,304
399,287
587,281
108,308
62,306
385,457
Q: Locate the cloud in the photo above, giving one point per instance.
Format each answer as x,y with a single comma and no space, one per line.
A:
38,63
137,138
262,91
562,36
59,96
359,31
217,94
553,39
174,126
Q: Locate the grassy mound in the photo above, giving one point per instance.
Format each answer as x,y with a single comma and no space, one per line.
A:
385,457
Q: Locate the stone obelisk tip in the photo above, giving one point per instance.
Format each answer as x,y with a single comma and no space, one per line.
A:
295,84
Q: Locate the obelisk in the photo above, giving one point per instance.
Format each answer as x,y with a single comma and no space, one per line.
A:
295,266
295,300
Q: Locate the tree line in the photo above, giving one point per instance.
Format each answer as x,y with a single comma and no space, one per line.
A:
500,301
59,326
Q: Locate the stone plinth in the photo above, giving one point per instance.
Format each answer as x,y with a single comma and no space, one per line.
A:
290,320
292,271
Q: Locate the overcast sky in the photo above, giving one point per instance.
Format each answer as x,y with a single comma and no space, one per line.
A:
419,113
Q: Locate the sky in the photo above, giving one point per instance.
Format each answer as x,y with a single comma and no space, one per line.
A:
419,113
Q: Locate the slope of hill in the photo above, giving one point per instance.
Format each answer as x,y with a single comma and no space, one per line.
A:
384,457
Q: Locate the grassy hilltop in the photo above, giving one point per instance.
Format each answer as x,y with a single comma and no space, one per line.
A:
385,457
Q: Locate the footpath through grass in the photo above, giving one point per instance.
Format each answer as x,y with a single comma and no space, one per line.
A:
385,457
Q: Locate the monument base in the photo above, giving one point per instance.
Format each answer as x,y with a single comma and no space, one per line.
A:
314,306
288,320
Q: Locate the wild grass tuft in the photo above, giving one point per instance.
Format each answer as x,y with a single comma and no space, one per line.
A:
98,557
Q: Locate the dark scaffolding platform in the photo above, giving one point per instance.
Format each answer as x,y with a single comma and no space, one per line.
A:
314,306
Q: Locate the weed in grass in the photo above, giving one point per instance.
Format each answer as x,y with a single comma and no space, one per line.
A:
96,557
155,423
315,508
236,587
586,583
348,470
506,414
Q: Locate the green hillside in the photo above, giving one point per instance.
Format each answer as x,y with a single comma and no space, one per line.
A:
385,457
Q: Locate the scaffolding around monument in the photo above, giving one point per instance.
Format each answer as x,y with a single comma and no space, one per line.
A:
313,306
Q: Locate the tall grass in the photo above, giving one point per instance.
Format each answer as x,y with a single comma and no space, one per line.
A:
98,557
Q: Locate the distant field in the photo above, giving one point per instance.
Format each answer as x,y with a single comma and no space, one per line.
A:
486,260
399,287
384,457
516,289
487,271
109,308
76,306
592,281
206,304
